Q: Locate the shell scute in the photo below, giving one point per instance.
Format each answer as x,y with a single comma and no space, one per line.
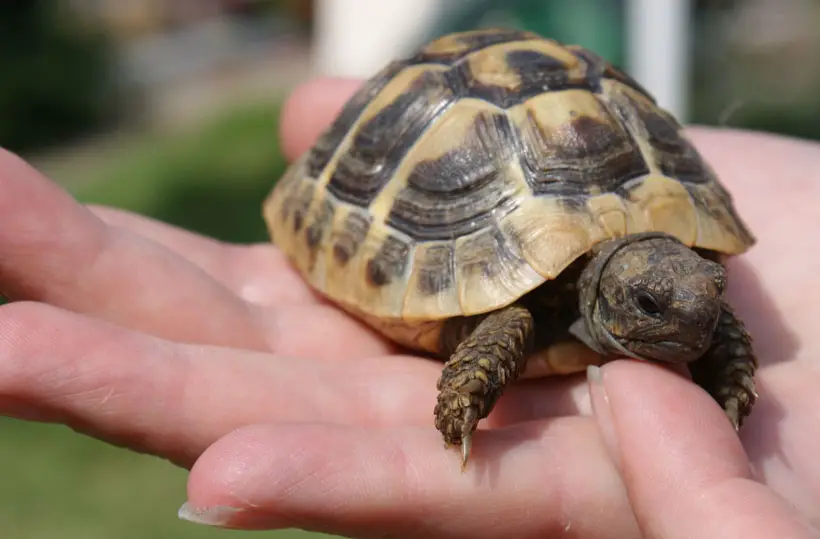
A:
329,141
491,270
432,288
455,47
570,143
389,126
456,179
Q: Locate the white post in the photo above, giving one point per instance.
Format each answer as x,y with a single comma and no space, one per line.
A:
356,38
658,50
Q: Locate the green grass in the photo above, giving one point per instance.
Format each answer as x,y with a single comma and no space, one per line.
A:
210,179
57,484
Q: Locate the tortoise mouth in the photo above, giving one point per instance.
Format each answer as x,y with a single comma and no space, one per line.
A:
665,350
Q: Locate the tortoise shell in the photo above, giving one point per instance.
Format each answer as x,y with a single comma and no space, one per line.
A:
463,177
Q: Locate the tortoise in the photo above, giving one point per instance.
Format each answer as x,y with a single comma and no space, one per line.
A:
517,207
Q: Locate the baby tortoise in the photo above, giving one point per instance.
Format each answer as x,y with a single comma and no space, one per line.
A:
497,199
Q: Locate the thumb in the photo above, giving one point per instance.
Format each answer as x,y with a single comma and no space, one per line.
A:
683,466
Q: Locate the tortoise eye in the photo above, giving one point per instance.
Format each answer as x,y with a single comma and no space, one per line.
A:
648,303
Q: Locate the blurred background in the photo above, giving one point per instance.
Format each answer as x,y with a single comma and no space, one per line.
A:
171,109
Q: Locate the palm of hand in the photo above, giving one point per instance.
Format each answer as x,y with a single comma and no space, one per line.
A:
203,339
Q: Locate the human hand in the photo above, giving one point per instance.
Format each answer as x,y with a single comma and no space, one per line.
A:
220,355
686,474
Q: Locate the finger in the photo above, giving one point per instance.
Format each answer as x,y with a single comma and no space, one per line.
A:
310,109
683,466
208,253
259,273
174,400
545,479
52,249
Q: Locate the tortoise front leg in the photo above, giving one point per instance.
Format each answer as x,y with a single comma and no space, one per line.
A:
727,369
478,372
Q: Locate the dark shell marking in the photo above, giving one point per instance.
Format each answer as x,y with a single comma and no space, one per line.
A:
583,152
350,237
390,262
326,146
455,194
436,269
379,144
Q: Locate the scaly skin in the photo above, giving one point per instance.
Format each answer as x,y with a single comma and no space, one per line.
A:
726,371
478,372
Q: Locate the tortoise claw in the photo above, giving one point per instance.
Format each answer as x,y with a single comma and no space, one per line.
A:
466,445
733,413
467,427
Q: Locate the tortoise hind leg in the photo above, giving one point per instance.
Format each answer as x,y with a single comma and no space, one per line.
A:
478,372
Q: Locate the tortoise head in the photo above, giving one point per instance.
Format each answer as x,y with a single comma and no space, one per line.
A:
648,296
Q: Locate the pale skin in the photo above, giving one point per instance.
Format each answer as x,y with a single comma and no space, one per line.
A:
208,356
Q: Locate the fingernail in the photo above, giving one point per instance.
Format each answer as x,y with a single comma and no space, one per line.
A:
218,516
602,411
